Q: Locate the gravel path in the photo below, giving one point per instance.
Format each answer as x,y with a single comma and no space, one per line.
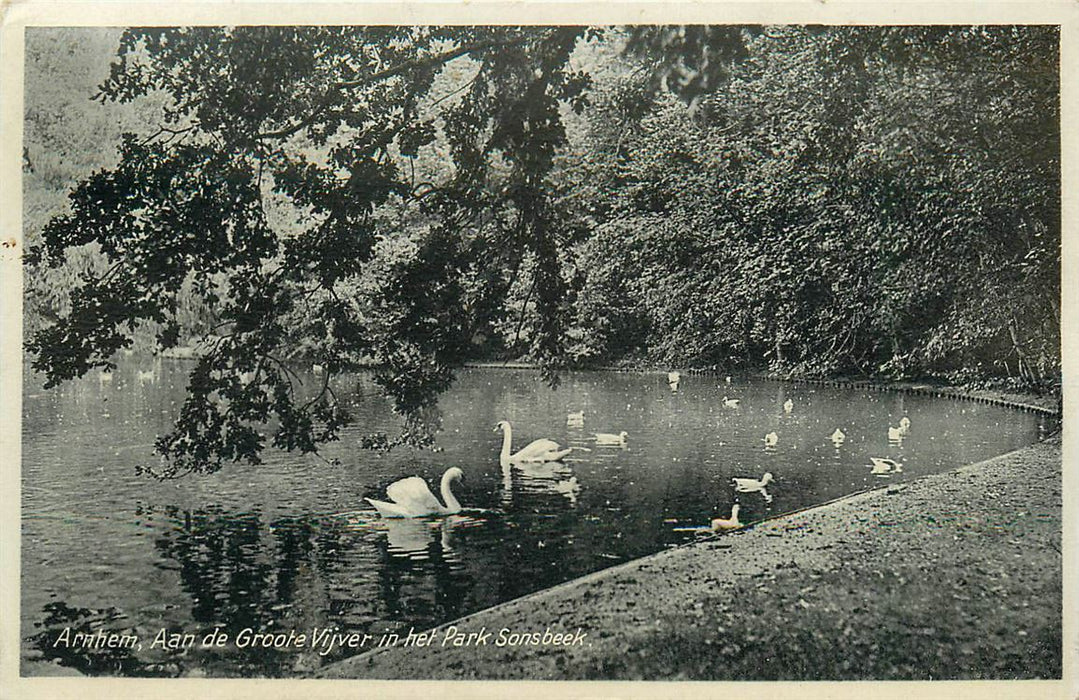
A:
953,576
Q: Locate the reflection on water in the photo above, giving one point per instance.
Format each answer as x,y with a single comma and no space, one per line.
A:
292,545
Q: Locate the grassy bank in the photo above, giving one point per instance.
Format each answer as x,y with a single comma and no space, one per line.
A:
953,576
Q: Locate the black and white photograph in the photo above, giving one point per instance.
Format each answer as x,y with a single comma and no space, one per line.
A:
654,346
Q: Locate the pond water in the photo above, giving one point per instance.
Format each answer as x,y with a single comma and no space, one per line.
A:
291,545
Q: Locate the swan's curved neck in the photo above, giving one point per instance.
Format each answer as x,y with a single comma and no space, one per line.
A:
452,504
507,439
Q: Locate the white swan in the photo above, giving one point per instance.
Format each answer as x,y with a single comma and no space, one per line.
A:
749,485
838,437
611,438
885,466
788,406
744,485
771,439
413,499
895,434
541,450
730,523
904,424
672,379
575,419
145,376
730,403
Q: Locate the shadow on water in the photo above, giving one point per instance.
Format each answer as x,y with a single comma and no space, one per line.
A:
280,548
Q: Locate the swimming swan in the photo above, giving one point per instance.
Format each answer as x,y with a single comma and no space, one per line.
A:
895,434
611,438
904,424
730,523
754,485
750,485
885,466
730,403
771,439
541,450
788,406
575,419
838,437
413,499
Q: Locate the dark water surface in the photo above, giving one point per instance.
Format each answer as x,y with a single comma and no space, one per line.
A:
290,545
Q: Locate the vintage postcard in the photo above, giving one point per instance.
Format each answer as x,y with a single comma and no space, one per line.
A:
612,350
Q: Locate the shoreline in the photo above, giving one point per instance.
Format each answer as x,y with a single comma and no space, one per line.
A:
955,575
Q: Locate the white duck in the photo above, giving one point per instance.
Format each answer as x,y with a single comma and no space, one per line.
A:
413,499
771,439
575,419
730,403
838,437
895,434
745,485
541,450
885,466
611,438
569,488
731,523
788,406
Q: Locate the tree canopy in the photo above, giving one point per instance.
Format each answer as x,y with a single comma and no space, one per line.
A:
806,199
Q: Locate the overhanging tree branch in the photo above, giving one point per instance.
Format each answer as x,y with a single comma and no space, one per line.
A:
414,64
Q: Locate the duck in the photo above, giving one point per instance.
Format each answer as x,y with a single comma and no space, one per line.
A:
745,485
412,498
731,403
568,488
885,466
611,438
575,419
788,406
771,439
838,437
542,450
731,523
895,434
904,424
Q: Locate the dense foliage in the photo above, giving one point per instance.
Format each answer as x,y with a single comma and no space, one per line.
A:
860,200
877,200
